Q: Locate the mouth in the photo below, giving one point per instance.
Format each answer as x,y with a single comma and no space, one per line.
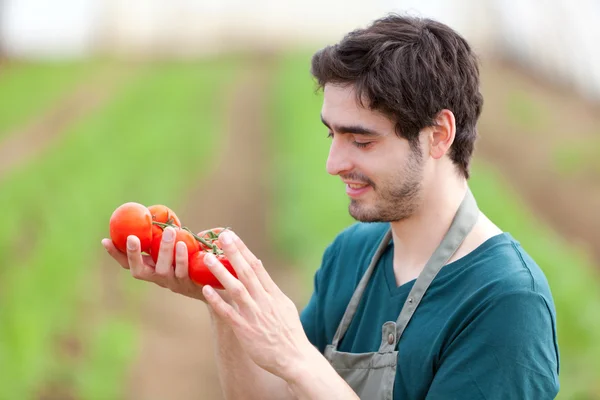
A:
355,190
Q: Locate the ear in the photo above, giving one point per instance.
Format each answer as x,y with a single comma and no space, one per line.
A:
442,134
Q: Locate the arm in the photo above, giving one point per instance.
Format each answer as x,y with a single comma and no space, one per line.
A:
240,377
268,327
508,351
307,376
311,379
315,379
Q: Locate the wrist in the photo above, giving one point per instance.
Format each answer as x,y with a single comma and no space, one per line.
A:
305,366
314,378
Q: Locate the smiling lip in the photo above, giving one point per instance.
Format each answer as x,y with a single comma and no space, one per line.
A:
355,189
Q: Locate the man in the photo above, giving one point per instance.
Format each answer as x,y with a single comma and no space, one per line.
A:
424,297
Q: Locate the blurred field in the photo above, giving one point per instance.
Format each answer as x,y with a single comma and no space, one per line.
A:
29,89
68,329
143,146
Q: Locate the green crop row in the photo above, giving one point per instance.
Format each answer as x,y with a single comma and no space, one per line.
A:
144,145
29,89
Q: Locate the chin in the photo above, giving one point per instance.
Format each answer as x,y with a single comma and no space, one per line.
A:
365,213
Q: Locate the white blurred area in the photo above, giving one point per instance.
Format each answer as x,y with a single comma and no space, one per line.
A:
558,38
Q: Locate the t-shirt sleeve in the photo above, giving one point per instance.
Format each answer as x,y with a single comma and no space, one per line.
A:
311,314
507,351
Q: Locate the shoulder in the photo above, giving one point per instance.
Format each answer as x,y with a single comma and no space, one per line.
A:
499,280
502,265
536,279
503,302
525,280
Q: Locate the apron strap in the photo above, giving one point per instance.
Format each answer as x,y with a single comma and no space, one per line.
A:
355,300
462,224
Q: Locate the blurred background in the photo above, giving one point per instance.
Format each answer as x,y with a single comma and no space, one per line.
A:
209,107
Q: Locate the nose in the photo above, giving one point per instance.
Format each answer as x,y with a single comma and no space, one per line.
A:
338,160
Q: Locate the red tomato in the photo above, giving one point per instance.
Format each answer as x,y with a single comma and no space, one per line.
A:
199,272
131,219
164,214
181,235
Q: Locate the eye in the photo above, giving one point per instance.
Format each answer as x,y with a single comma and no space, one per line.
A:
361,145
330,134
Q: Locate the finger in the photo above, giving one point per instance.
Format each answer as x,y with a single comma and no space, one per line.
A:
234,287
138,269
164,262
221,307
181,261
243,270
115,253
261,273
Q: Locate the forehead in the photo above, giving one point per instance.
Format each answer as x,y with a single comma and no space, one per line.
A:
341,107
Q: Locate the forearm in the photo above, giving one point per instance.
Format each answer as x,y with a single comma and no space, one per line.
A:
239,376
315,379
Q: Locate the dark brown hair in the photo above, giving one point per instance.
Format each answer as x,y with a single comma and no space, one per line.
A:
409,69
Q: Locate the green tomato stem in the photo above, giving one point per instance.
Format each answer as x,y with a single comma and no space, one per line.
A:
198,238
214,248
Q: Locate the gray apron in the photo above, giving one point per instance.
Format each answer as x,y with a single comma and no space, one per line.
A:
372,375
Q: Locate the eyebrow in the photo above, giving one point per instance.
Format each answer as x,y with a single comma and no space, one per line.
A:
352,129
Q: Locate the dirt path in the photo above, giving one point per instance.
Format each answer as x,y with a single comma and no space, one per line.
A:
29,141
525,154
176,360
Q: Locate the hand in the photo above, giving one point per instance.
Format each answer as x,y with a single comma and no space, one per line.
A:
265,321
162,274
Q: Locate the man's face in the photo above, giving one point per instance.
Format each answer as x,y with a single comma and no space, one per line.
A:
383,175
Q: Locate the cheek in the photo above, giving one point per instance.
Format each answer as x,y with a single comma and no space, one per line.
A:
392,171
386,165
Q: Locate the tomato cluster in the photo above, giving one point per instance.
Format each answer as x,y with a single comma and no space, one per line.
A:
148,224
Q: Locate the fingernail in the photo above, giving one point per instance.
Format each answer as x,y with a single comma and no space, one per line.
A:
209,291
209,259
131,243
167,235
225,238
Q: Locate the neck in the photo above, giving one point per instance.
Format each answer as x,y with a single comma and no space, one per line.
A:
417,237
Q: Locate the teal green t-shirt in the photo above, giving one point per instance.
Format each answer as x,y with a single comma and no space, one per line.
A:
485,329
